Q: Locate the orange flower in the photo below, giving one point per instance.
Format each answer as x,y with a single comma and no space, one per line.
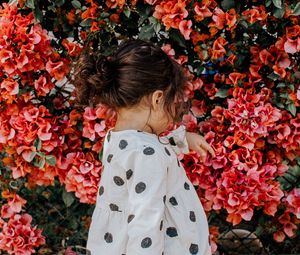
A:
202,11
218,50
58,69
94,27
71,17
171,13
73,49
234,78
114,18
231,18
114,3
280,71
266,57
11,86
197,37
255,14
91,12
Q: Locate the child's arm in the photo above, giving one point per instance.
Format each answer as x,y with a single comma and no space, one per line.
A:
183,141
146,184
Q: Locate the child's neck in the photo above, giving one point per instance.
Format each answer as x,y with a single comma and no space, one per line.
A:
124,126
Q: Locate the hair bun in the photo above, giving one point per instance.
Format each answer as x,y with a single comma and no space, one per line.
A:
104,68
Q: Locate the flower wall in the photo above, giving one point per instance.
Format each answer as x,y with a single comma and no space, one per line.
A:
242,60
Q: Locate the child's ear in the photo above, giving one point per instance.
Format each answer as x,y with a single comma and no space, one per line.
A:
157,97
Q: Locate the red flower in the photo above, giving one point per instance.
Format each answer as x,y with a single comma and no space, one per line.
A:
19,237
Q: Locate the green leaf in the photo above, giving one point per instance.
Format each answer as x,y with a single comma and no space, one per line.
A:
157,27
280,105
268,3
30,4
296,10
32,155
76,4
41,154
68,198
39,163
86,23
100,155
177,37
227,4
51,160
291,86
37,143
273,76
104,15
292,109
153,20
222,93
277,3
284,95
278,13
127,12
59,2
38,15
281,85
146,32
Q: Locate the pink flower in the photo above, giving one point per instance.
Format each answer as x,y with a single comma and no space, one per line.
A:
293,202
83,176
19,237
167,48
185,28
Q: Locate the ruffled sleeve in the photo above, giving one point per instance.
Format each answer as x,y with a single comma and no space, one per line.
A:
178,141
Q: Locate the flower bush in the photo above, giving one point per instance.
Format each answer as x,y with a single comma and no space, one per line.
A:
242,60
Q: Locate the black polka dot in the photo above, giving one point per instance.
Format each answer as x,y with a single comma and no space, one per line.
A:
172,141
209,240
130,217
164,199
148,151
146,242
118,180
161,225
172,231
167,151
109,157
173,201
186,186
178,162
140,187
108,237
123,143
192,216
194,248
101,190
128,174
113,207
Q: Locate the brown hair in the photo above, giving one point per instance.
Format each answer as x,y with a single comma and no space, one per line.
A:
136,69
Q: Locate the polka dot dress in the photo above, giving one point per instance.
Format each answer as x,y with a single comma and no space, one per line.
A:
146,205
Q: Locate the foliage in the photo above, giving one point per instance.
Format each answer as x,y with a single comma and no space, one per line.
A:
242,59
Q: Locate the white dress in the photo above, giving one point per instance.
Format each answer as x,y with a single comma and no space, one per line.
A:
146,205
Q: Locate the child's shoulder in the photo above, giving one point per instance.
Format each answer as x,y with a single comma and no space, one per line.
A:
137,141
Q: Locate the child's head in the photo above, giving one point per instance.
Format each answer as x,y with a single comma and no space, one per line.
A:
139,75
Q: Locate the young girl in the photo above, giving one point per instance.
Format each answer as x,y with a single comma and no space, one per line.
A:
146,205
